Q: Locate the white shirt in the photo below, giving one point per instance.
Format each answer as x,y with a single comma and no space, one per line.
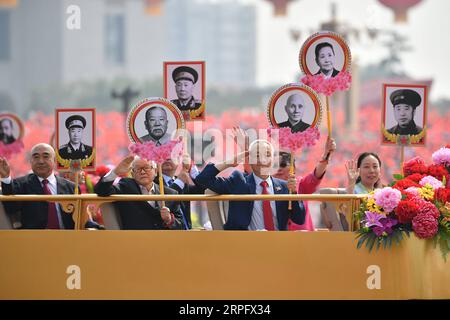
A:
257,221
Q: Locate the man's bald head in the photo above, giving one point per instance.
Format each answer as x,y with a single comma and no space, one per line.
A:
294,108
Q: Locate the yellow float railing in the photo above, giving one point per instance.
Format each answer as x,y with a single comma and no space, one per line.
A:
77,204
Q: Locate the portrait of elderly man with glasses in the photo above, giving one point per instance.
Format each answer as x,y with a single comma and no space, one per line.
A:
144,215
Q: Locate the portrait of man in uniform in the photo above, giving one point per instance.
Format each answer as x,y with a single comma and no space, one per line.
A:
185,79
404,103
75,137
295,108
184,87
403,119
75,148
156,124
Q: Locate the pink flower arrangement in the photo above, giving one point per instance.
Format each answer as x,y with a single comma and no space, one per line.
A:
149,151
328,86
413,207
387,198
295,141
7,150
442,156
435,183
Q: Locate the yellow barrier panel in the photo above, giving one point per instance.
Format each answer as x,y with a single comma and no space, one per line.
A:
63,264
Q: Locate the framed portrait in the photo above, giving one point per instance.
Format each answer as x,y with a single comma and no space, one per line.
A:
11,128
75,137
403,120
325,53
184,86
296,106
154,119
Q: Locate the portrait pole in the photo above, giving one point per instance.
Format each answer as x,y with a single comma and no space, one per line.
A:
161,184
402,159
327,102
291,171
76,182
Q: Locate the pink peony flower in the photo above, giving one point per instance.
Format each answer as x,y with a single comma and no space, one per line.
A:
387,198
425,225
435,183
442,156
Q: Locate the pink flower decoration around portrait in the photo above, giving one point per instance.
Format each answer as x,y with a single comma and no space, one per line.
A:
328,86
298,140
7,150
149,151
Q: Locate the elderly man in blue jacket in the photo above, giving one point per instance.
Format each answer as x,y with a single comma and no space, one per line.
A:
254,215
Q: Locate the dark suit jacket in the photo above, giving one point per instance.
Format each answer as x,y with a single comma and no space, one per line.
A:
334,74
240,212
298,127
139,214
34,215
188,189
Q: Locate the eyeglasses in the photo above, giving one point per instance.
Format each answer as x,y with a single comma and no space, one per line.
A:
145,169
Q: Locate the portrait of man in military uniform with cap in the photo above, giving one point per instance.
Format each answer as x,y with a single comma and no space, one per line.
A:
404,103
185,79
75,148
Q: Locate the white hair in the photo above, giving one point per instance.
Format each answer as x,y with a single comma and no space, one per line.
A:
255,144
151,162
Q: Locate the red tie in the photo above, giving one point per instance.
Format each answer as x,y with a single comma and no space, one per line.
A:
52,222
267,209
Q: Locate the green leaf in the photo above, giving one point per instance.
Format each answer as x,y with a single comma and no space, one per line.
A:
362,239
398,176
385,240
371,242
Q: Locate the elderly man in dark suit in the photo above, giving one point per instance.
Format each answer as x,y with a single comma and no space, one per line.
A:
405,102
254,215
146,215
39,215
